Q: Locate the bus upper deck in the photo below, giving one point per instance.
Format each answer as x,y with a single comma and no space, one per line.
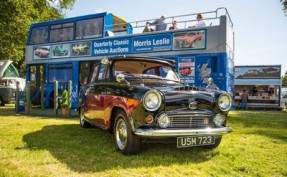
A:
56,39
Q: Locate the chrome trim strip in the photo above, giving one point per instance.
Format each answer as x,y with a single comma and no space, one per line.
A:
181,132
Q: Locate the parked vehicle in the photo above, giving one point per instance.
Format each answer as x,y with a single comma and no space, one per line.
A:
80,49
42,52
139,98
187,40
60,51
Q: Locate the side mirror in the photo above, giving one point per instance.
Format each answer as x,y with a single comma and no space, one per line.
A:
120,78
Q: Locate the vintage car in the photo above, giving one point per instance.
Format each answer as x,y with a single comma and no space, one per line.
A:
141,99
187,40
42,52
81,49
60,51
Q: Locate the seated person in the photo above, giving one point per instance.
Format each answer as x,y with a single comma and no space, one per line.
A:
200,22
174,26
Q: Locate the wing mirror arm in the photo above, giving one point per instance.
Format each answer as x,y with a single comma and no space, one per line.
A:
121,78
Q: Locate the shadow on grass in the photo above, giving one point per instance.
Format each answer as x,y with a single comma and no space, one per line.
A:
92,150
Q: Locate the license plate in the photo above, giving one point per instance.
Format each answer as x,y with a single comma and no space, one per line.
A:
189,141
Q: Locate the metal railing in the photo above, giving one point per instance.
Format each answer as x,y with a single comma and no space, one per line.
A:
183,21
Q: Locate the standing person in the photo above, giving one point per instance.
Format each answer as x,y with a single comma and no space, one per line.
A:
160,25
200,22
244,99
174,26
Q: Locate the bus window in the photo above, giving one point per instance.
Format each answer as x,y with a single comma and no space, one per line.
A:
62,32
89,28
60,73
39,35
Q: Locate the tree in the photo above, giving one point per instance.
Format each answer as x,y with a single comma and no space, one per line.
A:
16,16
284,3
284,80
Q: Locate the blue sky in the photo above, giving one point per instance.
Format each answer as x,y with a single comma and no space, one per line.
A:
260,26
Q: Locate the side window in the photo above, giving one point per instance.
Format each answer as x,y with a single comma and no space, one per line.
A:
150,71
90,28
62,32
39,35
94,73
104,72
85,72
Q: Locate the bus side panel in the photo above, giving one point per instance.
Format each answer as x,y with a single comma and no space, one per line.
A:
211,65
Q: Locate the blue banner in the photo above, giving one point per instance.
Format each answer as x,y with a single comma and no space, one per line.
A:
154,43
128,45
111,47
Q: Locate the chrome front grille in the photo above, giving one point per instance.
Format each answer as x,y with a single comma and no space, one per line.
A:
190,121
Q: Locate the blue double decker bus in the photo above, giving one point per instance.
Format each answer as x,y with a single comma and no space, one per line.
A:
67,49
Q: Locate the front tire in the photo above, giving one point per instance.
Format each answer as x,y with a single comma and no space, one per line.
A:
213,146
125,141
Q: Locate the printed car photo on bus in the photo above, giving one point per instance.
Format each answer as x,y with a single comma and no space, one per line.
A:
192,39
82,48
61,50
141,98
41,52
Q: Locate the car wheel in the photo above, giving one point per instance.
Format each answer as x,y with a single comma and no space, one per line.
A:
83,122
217,142
2,103
125,141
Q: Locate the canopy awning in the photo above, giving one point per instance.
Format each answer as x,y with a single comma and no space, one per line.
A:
257,82
7,69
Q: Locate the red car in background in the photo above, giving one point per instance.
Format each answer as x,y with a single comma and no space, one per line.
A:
42,52
187,40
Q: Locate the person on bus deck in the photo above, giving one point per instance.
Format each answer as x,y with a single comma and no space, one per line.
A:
160,25
200,22
174,26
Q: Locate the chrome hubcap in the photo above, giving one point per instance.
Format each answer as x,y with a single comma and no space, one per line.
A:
121,134
82,117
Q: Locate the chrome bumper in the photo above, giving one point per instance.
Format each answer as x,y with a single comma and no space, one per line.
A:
182,132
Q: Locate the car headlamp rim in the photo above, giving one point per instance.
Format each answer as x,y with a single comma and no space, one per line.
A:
222,104
219,119
163,120
148,104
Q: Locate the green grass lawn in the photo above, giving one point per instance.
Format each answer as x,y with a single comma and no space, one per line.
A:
49,146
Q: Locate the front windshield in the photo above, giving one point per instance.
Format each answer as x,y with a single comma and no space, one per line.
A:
145,70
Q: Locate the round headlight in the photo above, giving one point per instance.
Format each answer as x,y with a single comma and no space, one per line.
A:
163,121
152,100
219,120
224,102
